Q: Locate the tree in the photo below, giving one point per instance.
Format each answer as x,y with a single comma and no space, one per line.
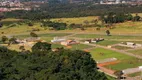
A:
33,34
12,40
1,16
22,48
30,23
1,25
94,21
4,39
41,46
137,18
86,22
108,32
3,49
48,65
129,17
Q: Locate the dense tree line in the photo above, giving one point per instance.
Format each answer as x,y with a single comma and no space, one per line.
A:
54,25
112,17
73,10
45,64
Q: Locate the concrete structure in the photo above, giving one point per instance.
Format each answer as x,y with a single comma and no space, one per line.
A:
132,70
58,39
69,42
87,41
107,60
33,39
93,40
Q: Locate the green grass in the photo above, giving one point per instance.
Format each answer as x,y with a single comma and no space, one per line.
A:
56,46
110,78
125,60
107,54
78,20
80,46
137,52
47,39
113,37
121,47
54,34
125,64
107,42
135,74
73,47
45,35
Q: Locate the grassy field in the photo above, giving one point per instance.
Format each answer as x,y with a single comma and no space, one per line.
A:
56,46
80,46
125,60
73,47
120,28
113,37
137,52
108,42
79,20
45,35
16,47
135,74
121,47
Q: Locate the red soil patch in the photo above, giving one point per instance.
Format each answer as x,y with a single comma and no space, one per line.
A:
86,50
108,63
110,71
68,47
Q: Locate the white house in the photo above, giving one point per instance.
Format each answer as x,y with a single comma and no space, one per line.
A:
57,39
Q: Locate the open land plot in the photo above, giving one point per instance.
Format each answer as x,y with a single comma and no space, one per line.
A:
45,35
113,37
20,29
125,60
121,47
108,42
135,74
10,21
77,20
53,46
137,52
80,46
110,78
56,46
127,27
120,28
16,47
72,47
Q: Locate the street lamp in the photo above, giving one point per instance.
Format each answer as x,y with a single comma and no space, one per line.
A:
140,68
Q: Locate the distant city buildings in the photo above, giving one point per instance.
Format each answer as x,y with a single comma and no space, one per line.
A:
12,5
109,1
121,2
